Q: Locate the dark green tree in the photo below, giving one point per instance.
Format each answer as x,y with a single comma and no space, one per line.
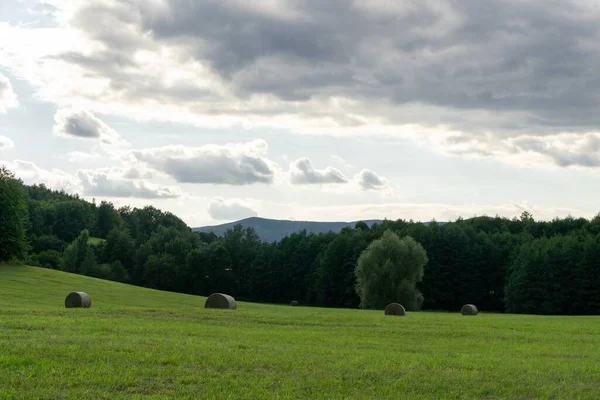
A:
119,246
70,262
76,252
47,242
242,246
556,275
119,273
361,225
159,271
89,265
50,259
108,219
13,216
72,217
337,264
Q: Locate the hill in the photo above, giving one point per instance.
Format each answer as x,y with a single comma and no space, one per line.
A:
142,343
272,230
51,287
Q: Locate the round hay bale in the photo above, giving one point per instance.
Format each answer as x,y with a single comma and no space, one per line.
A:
469,309
395,309
294,303
220,300
78,300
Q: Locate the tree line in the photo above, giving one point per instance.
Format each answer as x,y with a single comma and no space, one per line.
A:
516,265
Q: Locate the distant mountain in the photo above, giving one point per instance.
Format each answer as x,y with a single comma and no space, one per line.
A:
271,230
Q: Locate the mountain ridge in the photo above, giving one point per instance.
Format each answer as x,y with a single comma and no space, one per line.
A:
270,230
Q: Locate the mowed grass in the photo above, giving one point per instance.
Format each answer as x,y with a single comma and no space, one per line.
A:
139,343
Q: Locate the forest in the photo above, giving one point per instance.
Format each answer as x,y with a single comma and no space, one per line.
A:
516,265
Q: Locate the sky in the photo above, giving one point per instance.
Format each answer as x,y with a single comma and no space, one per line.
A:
343,110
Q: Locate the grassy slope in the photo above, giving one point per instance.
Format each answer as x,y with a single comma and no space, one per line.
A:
94,240
140,343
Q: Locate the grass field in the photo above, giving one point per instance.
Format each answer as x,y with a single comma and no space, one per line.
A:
139,343
95,241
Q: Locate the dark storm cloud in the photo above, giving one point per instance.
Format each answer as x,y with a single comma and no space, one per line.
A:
532,66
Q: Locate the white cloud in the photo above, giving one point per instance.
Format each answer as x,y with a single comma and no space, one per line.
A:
103,182
341,162
55,178
561,150
8,98
369,180
82,124
137,173
78,156
6,143
229,164
302,172
112,183
229,210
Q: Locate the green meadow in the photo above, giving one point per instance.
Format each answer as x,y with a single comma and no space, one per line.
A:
95,241
137,343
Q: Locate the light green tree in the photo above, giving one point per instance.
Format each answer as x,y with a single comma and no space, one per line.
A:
388,271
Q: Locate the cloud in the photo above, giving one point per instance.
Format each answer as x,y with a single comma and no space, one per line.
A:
581,150
512,65
55,178
369,180
564,150
79,156
229,210
495,71
6,143
8,97
302,172
136,173
104,183
229,164
341,162
82,124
